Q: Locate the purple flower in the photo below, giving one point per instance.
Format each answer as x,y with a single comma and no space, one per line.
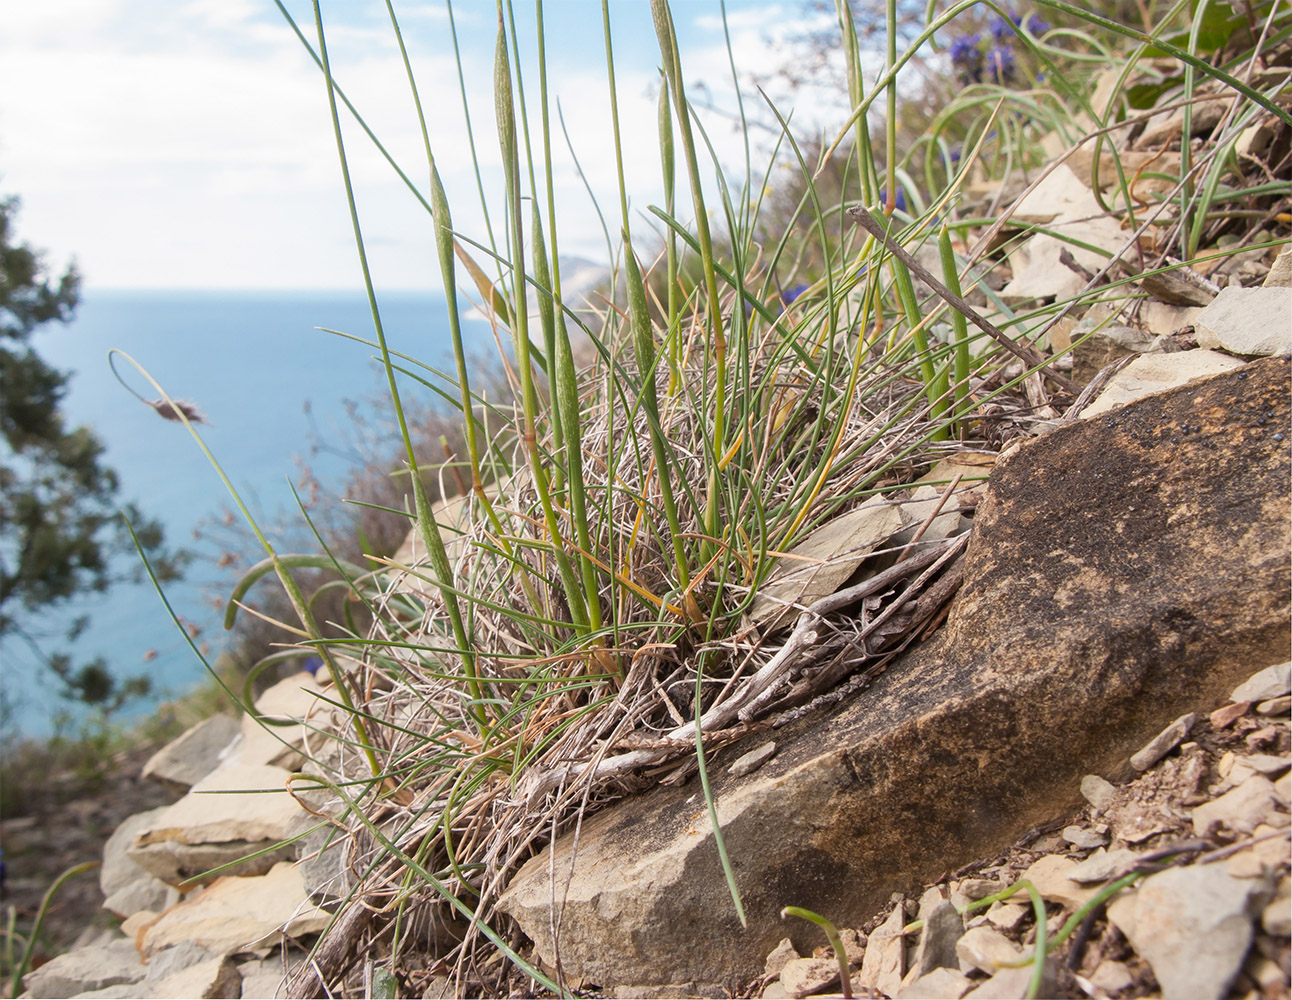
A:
964,50
1000,63
966,57
899,201
1003,30
1035,25
790,294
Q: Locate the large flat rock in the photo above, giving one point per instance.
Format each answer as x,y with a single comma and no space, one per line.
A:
1124,571
236,811
238,913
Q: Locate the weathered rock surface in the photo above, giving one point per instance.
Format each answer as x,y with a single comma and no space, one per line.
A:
278,744
1269,683
1152,373
237,913
85,969
884,963
1193,925
1248,321
190,757
222,820
1124,571
127,888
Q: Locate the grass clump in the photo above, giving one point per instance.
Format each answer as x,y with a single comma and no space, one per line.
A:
581,622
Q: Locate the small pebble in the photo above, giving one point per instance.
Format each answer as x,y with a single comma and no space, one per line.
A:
1163,743
1006,916
1102,866
1098,792
1272,682
1079,836
1276,918
1222,718
1112,976
779,956
979,888
752,761
1263,737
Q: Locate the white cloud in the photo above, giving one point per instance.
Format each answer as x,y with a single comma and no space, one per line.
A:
191,145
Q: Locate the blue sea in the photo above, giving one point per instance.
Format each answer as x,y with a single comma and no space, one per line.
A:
270,384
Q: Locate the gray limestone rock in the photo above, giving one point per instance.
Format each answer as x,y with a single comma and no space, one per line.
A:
126,887
177,958
883,964
1124,570
95,968
1163,743
1080,837
937,947
940,984
190,757
1255,322
1193,925
1102,866
1241,809
1012,984
1280,275
1098,792
986,949
1272,682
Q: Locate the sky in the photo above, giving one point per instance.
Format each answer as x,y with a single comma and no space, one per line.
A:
189,145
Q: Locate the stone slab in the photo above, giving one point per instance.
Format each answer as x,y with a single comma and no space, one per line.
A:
1254,322
238,913
1150,373
234,811
1119,576
94,968
126,887
190,757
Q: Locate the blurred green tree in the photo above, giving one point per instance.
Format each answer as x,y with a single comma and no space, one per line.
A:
61,522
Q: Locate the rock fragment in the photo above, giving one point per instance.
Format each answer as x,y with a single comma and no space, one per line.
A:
1240,810
1112,976
1163,743
126,887
1151,373
1253,322
937,945
778,956
801,976
986,949
1007,916
1276,918
190,757
1102,866
750,762
94,968
1050,875
940,984
1012,984
206,830
239,913
1272,682
1193,925
1098,792
885,959
1080,837
1223,718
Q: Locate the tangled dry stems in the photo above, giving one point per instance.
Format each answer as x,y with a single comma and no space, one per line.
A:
567,736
